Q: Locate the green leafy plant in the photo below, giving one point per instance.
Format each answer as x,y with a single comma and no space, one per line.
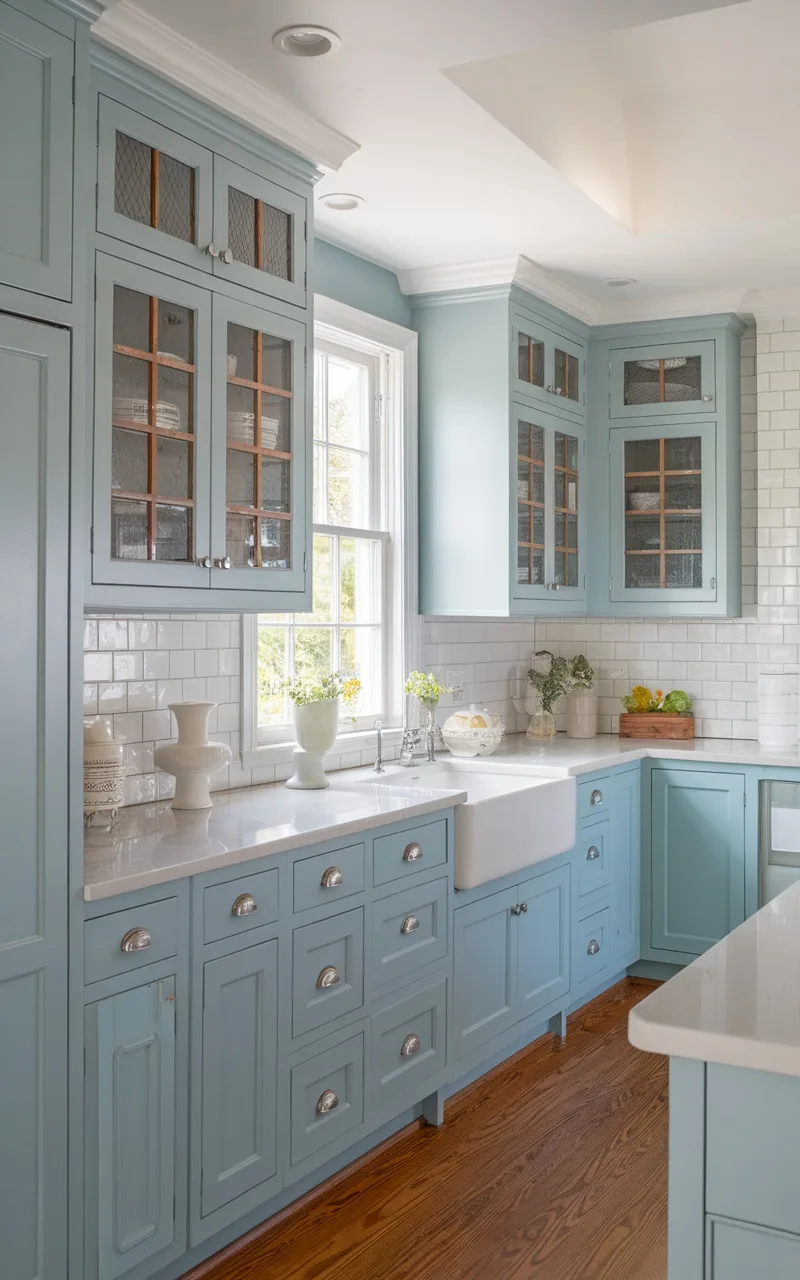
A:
640,701
553,683
305,689
677,701
425,688
581,672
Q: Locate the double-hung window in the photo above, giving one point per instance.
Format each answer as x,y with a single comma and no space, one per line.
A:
359,549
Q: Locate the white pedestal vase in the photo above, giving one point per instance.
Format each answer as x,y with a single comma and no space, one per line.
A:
582,713
316,725
192,758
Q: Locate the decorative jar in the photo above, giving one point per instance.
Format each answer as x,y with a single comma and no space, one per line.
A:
103,773
316,726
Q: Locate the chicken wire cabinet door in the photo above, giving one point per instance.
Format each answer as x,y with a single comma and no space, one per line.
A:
547,496
672,378
260,230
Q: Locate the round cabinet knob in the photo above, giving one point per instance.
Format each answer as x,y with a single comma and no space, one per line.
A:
332,878
137,939
227,256
223,562
212,250
596,797
523,908
412,852
411,1045
245,905
592,852
326,1102
204,562
593,947
410,923
550,390
329,977
708,399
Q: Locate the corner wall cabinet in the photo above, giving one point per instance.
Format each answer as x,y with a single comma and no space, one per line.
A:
200,476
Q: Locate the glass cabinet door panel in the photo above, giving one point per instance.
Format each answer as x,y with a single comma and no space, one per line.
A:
670,379
260,228
663,493
566,509
153,188
530,360
530,503
658,381
567,375
259,235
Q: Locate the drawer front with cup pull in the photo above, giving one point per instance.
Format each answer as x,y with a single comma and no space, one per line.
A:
239,905
593,946
327,1103
328,877
327,970
406,852
594,798
126,940
409,930
594,858
408,1044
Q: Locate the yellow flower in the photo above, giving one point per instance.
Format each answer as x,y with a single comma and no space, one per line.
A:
351,689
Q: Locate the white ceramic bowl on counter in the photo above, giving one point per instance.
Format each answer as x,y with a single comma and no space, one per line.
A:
473,732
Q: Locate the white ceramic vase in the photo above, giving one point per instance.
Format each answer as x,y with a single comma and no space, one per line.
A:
192,758
582,713
316,725
103,773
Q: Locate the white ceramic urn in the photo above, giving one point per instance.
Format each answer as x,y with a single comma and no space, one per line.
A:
582,713
192,758
316,725
103,773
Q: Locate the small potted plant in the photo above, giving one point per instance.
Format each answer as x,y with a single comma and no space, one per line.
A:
317,705
656,715
550,684
424,686
581,699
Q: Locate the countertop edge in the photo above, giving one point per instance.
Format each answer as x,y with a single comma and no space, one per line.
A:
711,1047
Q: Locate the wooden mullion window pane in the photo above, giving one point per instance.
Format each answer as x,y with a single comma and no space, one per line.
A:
155,185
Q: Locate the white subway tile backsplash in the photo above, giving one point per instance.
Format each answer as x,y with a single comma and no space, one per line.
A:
113,634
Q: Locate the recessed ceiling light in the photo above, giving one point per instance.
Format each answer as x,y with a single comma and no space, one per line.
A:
302,40
621,282
342,201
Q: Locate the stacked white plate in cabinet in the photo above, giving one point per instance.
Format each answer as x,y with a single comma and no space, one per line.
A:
778,706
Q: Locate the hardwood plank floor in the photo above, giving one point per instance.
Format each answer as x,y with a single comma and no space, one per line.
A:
552,1167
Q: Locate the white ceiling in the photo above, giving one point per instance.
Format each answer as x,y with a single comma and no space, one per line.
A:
598,138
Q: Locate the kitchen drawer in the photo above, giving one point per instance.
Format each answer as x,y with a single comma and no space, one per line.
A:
103,938
327,1104
752,1153
737,1251
327,970
328,877
594,858
408,1045
593,946
408,851
239,905
409,930
594,798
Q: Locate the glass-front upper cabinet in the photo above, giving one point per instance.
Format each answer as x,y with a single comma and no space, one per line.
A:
258,487
663,518
548,509
665,380
164,192
548,366
152,428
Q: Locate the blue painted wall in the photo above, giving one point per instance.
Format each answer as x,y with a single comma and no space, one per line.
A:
359,283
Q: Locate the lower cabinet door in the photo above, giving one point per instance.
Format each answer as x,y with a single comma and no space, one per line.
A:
737,1251
697,858
408,1047
485,970
130,1129
624,857
543,941
327,1104
239,1091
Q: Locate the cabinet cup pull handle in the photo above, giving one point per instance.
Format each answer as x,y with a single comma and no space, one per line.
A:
410,923
244,905
592,852
412,852
222,562
411,1045
326,1102
332,878
596,797
329,977
227,256
593,947
134,940
212,250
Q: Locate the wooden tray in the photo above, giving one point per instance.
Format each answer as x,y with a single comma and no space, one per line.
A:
658,724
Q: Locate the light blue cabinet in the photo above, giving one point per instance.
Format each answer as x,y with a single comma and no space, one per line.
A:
543,962
739,1251
665,379
549,367
696,869
130,1106
550,508
36,70
34,433
625,860
239,1071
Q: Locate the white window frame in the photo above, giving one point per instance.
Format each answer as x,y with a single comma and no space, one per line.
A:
343,326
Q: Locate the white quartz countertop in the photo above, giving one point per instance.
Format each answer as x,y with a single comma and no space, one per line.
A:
739,1003
152,844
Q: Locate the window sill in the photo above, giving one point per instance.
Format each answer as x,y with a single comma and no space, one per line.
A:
346,745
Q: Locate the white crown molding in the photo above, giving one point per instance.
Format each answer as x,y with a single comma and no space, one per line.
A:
529,275
674,306
462,275
185,63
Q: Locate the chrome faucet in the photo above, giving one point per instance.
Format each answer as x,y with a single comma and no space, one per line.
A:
378,765
412,738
